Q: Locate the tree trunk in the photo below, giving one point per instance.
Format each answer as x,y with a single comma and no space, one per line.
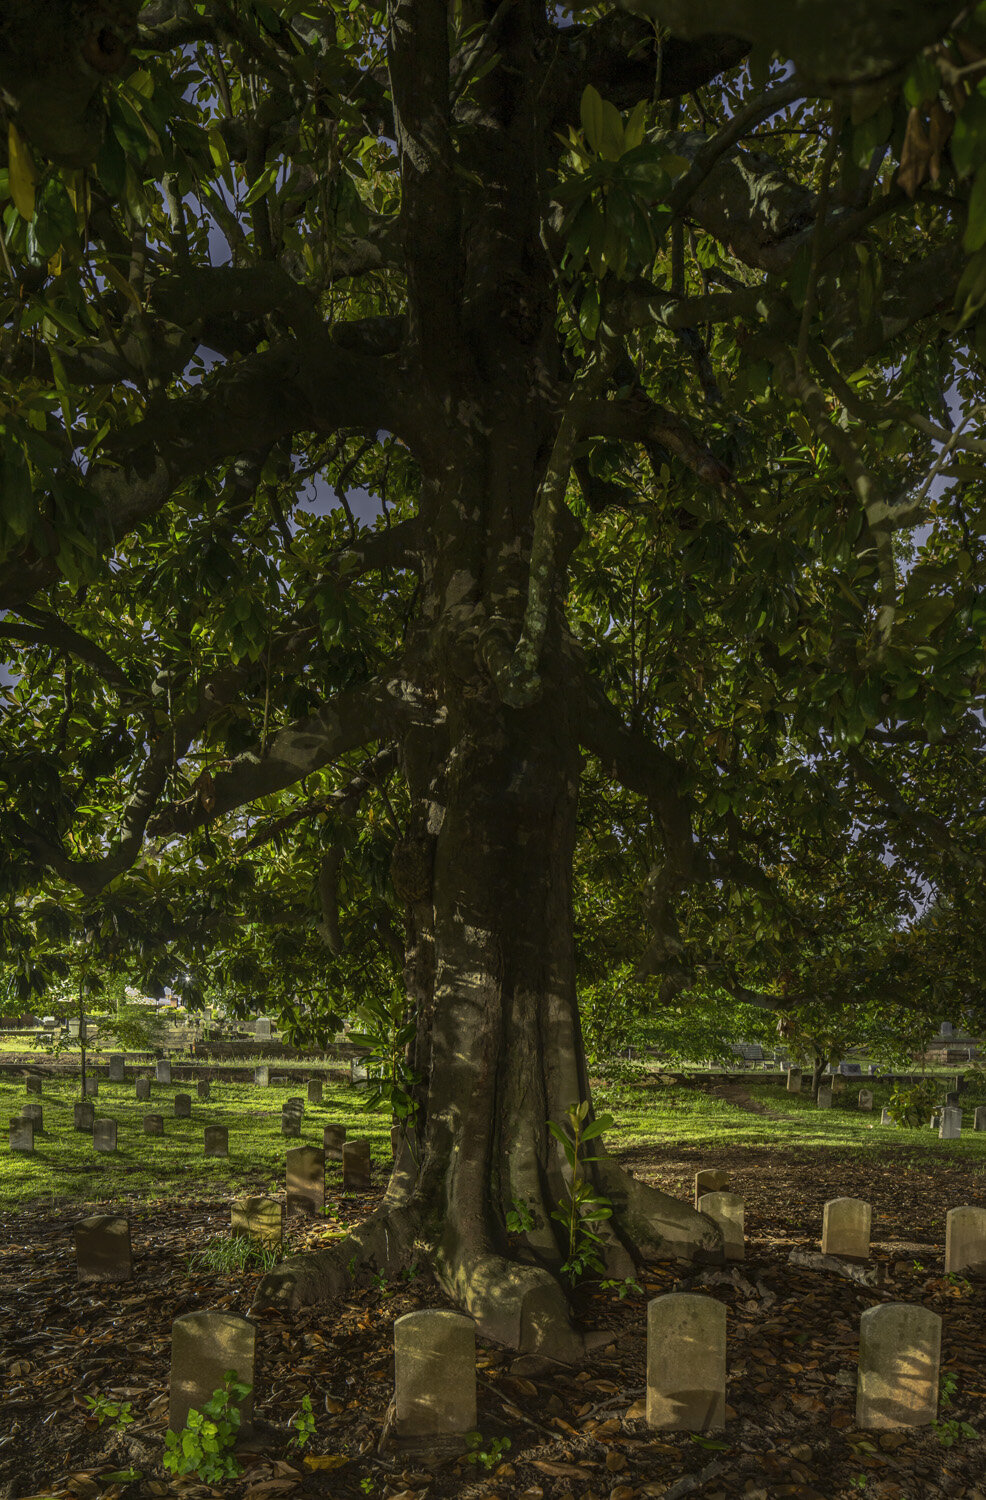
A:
488,882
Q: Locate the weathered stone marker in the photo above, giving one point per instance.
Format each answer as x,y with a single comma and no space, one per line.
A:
162,1072
33,1085
899,1353
22,1137
865,1100
102,1248
824,1099
838,1084
35,1113
965,1239
216,1140
794,1080
305,1174
355,1166
202,1088
154,1124
83,1115
710,1180
259,1219
434,1375
357,1072
885,1117
262,1027
686,1363
204,1345
333,1140
104,1135
142,1089
727,1211
92,1088
846,1224
183,1106
951,1125
314,1090
118,1069
261,1077
291,1118
979,1118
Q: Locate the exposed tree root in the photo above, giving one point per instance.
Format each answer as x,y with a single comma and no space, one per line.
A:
520,1305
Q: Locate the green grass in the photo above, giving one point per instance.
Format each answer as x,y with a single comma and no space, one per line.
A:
65,1166
670,1114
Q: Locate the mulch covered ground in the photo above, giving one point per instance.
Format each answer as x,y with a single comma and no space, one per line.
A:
574,1435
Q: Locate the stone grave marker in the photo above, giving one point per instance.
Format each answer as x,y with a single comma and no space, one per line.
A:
357,1072
259,1219
686,1363
727,1211
965,1239
838,1083
899,1353
92,1088
846,1225
885,1117
291,1118
102,1248
183,1106
202,1088
104,1135
262,1027
333,1140
865,1100
305,1180
355,1166
314,1091
142,1089
261,1077
216,1140
204,1345
434,1375
952,1099
824,1100
162,1072
794,1080
35,1113
710,1180
118,1071
154,1124
979,1118
33,1085
83,1116
951,1125
22,1137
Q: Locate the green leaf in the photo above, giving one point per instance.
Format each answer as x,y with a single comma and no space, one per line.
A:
589,312
592,116
23,176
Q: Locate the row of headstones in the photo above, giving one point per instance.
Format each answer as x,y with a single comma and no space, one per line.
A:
846,1225
25,1127
435,1367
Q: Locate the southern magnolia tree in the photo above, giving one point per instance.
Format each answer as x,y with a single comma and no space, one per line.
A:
646,331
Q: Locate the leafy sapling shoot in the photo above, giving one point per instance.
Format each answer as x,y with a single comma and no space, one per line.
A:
205,1446
485,1452
585,1206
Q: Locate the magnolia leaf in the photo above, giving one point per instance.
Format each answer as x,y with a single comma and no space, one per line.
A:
23,176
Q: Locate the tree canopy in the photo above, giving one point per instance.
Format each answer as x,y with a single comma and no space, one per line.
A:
492,494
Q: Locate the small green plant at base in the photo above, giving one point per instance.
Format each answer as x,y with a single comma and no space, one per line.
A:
910,1105
519,1219
379,1280
625,1288
119,1413
366,1485
585,1205
485,1452
858,1482
303,1423
950,1430
205,1446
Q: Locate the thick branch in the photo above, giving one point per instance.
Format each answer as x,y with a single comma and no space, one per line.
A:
380,709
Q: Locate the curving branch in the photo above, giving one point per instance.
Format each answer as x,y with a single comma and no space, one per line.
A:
381,709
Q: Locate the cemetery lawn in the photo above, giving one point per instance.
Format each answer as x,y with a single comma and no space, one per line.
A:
573,1434
65,1166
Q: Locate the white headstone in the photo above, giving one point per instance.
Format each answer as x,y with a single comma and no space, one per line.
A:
846,1224
965,1239
434,1374
686,1363
899,1353
727,1211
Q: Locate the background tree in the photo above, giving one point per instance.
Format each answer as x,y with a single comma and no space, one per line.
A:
646,347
